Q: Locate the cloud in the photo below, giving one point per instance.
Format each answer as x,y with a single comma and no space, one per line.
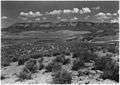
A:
67,11
31,14
101,14
81,11
4,17
114,21
55,12
86,10
108,14
23,14
95,8
75,10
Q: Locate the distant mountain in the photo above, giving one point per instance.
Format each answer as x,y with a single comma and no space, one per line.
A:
62,25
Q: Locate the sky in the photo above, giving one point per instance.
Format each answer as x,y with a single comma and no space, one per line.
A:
17,11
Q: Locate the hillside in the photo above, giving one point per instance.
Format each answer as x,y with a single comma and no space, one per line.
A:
49,26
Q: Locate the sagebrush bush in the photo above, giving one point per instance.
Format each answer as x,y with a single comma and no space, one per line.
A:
67,61
31,64
59,58
14,59
85,55
77,64
62,77
24,74
5,61
22,60
101,62
55,53
66,52
53,66
111,71
3,77
36,56
109,67
40,63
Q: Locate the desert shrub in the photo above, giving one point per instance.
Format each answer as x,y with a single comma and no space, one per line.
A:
85,55
67,61
113,49
14,59
109,67
101,62
53,66
48,54
5,61
36,56
111,71
62,77
31,65
76,54
66,52
55,53
3,77
25,74
60,59
40,64
22,60
77,64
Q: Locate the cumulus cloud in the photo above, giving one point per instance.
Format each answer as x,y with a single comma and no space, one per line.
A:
67,11
86,10
114,21
23,14
81,12
105,15
55,12
101,14
108,14
96,8
30,14
75,10
4,17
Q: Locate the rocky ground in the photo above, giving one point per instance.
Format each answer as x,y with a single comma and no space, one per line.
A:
83,76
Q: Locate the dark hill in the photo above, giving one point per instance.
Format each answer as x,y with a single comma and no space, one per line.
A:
49,26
